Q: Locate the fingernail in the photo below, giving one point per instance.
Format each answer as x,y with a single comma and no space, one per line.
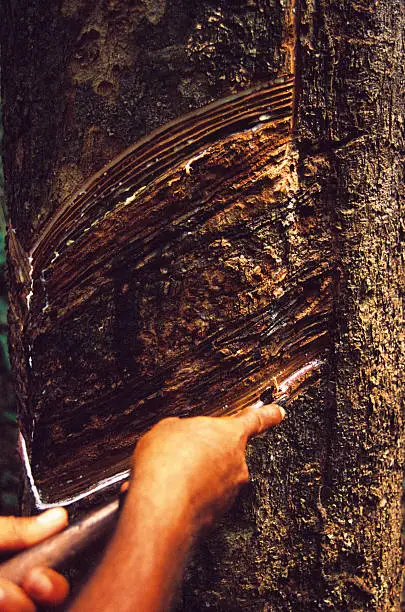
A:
282,411
53,517
2,594
39,582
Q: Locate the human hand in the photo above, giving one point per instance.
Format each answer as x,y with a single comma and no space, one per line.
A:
197,465
186,472
41,585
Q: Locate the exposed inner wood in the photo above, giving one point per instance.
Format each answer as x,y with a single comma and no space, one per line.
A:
168,275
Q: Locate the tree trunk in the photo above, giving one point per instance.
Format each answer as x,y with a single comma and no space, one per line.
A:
246,243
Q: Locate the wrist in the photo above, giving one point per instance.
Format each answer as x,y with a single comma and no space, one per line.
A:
167,506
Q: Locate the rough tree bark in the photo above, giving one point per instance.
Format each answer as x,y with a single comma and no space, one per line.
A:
293,256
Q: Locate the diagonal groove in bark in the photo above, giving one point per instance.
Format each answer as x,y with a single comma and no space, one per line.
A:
239,195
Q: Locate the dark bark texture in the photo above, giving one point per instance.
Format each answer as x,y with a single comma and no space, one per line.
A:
244,244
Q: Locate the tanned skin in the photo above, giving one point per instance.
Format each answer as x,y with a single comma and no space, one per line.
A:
42,585
185,474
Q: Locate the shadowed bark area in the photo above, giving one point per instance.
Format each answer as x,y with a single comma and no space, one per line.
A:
220,256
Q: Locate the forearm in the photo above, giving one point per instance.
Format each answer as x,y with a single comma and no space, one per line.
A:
145,560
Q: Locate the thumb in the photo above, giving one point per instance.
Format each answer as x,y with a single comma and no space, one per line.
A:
16,532
256,419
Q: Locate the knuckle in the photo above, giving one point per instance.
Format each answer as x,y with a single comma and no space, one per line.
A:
56,594
259,421
18,531
242,439
165,423
13,598
244,473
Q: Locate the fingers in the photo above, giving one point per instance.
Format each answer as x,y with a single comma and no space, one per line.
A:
16,532
13,599
41,585
45,586
255,420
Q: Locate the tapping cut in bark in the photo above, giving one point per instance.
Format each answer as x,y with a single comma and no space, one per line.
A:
166,279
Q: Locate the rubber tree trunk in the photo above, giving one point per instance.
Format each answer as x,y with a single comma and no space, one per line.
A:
280,239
